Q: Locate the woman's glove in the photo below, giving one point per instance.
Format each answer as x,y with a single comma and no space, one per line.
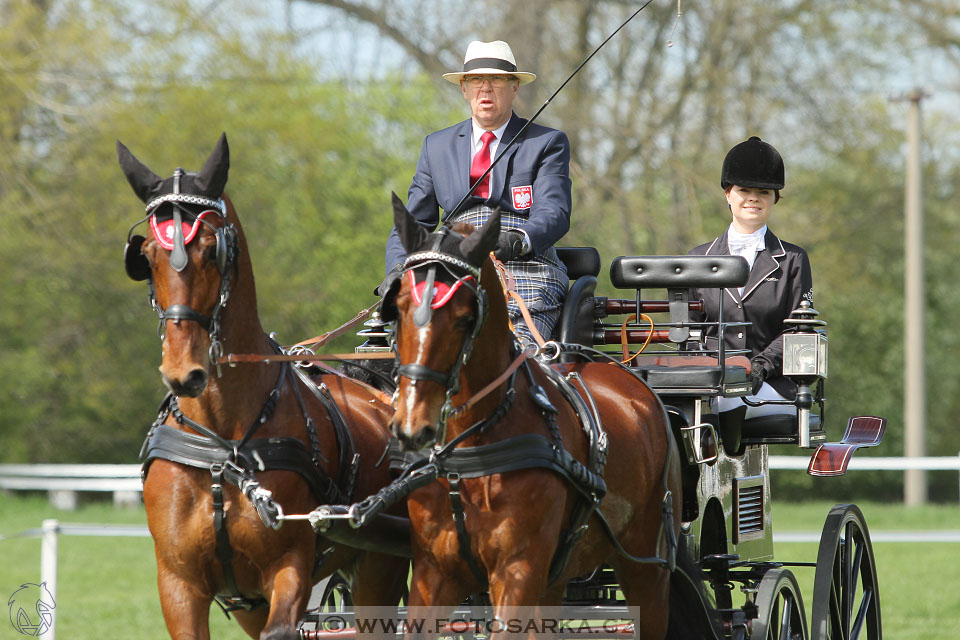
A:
757,375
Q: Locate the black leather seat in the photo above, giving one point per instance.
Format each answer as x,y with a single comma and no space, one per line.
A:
576,317
580,261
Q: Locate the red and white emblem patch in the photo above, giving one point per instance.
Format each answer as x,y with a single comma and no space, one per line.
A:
522,197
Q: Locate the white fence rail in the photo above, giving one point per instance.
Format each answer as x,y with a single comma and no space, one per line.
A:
63,481
876,463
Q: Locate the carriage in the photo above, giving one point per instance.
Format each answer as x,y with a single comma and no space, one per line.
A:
689,522
726,498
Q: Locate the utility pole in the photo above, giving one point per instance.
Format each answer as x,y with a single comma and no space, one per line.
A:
914,409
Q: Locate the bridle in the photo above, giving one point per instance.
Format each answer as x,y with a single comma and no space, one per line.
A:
450,380
227,251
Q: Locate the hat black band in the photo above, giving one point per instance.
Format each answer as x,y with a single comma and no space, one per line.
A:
488,63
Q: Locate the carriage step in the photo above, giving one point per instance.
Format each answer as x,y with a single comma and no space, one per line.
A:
832,458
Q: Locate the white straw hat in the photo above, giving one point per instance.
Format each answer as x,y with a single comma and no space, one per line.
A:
489,58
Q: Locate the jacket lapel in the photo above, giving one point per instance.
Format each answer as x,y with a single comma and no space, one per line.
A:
767,262
498,177
464,155
719,247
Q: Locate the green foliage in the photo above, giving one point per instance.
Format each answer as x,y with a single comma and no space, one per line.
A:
311,173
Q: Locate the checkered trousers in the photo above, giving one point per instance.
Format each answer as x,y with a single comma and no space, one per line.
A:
541,280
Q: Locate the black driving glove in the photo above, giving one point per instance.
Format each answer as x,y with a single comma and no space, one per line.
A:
509,246
757,375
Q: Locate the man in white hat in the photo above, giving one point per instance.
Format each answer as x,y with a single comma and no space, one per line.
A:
530,184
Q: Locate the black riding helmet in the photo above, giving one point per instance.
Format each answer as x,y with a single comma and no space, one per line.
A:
753,163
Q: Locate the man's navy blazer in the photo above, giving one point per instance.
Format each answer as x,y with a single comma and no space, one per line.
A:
532,180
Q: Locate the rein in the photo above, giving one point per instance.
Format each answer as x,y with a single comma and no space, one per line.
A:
496,382
510,290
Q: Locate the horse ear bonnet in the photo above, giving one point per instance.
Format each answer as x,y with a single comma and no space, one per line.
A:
213,177
145,182
209,183
412,234
481,242
752,163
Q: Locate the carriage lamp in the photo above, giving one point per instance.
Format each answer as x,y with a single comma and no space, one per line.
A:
376,335
805,350
804,360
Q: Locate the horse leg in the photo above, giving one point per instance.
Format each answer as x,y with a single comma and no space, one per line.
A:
185,607
516,589
377,583
289,593
252,622
433,594
647,591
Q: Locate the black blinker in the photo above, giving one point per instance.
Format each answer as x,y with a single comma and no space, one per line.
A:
223,250
388,305
136,264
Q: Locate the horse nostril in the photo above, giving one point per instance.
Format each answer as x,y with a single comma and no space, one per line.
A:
422,439
425,437
189,387
196,382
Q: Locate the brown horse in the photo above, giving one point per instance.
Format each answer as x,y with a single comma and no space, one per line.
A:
226,436
514,519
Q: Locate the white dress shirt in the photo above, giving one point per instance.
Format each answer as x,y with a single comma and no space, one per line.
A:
746,244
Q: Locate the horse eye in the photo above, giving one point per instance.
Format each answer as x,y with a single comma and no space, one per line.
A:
210,253
466,322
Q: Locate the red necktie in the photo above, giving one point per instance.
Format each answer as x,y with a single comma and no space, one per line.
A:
481,162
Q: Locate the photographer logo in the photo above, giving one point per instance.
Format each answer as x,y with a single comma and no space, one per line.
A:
31,609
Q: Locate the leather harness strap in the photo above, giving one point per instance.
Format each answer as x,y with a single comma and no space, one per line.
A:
459,522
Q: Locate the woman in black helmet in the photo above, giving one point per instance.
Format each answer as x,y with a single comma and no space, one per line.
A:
752,177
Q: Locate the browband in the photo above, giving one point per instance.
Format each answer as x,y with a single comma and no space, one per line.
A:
435,256
183,198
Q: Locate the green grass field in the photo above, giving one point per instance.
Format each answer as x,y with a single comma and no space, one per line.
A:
107,586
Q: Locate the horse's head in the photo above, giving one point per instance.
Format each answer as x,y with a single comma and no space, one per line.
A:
438,306
189,258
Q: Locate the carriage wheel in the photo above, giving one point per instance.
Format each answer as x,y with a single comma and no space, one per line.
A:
846,600
780,608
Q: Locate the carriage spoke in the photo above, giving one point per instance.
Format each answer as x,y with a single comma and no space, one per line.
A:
862,613
836,595
848,579
786,629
